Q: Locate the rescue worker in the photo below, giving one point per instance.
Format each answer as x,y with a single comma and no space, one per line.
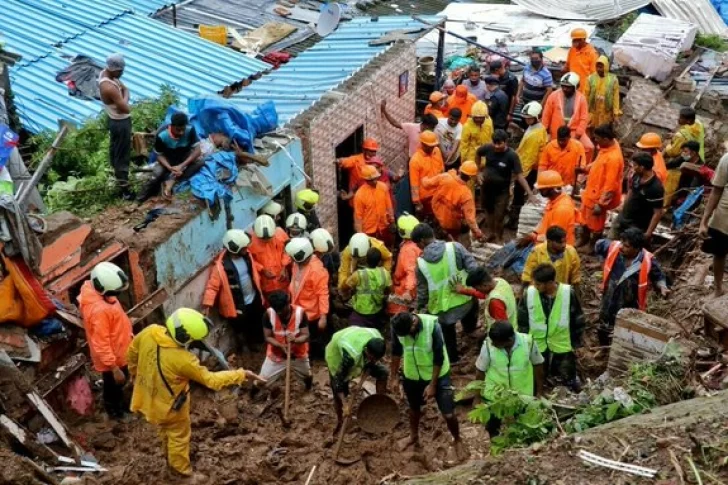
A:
268,255
464,101
353,255
529,150
273,209
439,264
437,106
352,351
279,336
500,301
643,207
373,211
306,201
162,367
411,130
355,164
582,57
629,269
603,191
453,202
551,314
567,106
477,131
560,209
563,257
508,360
690,129
404,278
426,162
602,94
325,249
371,287
231,285
564,155
418,341
652,144
309,282
296,225
108,332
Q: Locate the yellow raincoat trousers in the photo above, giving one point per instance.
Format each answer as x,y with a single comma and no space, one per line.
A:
152,398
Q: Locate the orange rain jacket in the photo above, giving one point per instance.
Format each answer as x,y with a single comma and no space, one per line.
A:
582,62
309,288
659,166
270,255
563,161
404,279
218,289
463,100
422,166
354,165
553,114
559,212
108,328
373,210
605,175
452,200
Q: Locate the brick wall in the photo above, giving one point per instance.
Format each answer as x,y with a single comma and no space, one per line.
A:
356,103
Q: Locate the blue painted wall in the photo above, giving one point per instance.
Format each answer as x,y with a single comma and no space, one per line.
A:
196,244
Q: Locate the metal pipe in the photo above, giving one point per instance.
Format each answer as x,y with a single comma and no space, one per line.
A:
174,15
469,41
440,61
42,167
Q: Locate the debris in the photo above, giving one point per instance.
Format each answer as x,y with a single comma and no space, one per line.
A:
616,465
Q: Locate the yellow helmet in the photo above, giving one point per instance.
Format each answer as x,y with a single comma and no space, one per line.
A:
186,325
306,199
406,223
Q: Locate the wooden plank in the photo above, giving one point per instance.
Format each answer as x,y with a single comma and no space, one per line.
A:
148,305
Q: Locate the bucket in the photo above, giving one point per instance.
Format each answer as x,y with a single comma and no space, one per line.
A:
427,64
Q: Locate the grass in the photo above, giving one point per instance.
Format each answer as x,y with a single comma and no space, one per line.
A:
712,41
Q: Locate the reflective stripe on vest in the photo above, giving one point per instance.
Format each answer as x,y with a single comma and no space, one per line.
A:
552,333
510,371
352,340
504,293
280,333
441,296
643,283
608,95
369,296
418,356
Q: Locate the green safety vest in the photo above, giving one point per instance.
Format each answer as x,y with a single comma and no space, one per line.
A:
441,296
418,354
552,333
608,96
369,296
504,293
352,340
513,371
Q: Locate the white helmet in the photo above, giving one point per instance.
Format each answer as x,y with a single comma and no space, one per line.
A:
272,209
359,245
264,227
322,240
571,79
235,240
532,109
108,278
297,221
300,249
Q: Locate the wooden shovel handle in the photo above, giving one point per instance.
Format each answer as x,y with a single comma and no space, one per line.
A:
346,418
287,399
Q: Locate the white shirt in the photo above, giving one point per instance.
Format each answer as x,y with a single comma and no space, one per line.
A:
448,136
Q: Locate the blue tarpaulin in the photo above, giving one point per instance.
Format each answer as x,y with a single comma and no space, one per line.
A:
209,184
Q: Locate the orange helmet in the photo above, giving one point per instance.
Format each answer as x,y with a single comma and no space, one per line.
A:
370,144
469,168
369,172
650,140
436,97
578,34
549,179
429,138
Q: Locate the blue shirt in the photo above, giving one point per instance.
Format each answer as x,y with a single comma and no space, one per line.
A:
176,150
535,83
246,282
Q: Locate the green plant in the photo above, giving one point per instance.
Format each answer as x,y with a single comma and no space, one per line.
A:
712,41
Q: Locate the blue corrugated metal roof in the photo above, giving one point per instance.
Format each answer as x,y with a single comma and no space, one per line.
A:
155,53
145,7
297,85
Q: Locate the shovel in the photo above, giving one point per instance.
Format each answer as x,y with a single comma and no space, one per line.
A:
287,398
344,425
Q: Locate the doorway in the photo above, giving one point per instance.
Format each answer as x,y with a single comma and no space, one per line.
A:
350,146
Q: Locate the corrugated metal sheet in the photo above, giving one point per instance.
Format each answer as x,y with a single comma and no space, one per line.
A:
156,54
145,7
699,12
297,85
599,10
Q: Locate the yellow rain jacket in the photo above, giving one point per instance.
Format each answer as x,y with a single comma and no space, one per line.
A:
602,95
529,150
349,263
474,137
152,398
685,133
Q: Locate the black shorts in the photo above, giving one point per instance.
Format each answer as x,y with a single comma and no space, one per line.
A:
414,390
716,244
